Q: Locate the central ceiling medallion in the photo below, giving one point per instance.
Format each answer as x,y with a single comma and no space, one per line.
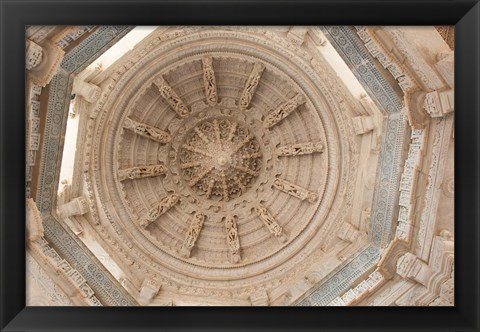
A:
220,162
220,159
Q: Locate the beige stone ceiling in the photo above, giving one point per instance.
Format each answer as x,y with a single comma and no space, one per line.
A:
223,160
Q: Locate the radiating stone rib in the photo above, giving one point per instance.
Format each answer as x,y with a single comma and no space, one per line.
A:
245,170
139,172
240,184
300,149
226,196
201,135
283,111
192,234
242,143
216,128
211,183
270,222
163,206
294,190
201,175
209,81
197,150
190,164
231,133
233,241
251,155
251,85
147,131
171,97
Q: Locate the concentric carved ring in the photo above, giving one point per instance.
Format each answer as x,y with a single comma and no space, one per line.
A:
220,159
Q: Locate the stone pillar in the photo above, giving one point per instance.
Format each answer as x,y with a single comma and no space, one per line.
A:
34,221
348,232
351,234
90,92
411,267
259,298
296,35
150,288
363,124
77,206
445,66
439,103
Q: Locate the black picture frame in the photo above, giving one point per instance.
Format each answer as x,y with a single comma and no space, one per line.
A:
15,15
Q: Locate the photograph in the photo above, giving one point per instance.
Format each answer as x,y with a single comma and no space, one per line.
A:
240,165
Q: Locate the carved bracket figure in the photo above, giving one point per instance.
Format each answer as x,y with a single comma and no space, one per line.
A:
209,81
171,97
294,190
192,234
283,111
139,172
300,149
147,131
165,204
251,86
270,222
233,240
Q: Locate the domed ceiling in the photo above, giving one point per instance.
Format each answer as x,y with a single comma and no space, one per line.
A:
244,165
222,159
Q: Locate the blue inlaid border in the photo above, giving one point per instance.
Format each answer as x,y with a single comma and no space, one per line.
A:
99,279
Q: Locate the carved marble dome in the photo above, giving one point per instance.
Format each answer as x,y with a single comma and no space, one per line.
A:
220,161
244,165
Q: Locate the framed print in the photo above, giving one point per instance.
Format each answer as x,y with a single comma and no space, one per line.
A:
216,165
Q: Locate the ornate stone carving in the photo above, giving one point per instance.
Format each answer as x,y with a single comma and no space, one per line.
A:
233,241
408,184
59,93
251,85
259,298
33,218
149,289
348,232
338,280
363,289
283,111
446,67
354,47
270,222
43,61
220,159
209,261
363,124
294,190
171,97
75,207
441,130
147,131
300,149
34,55
209,81
90,92
69,279
438,104
192,234
410,266
448,34
165,204
297,35
139,172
